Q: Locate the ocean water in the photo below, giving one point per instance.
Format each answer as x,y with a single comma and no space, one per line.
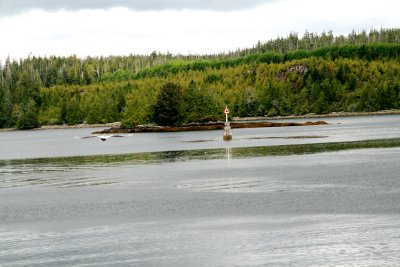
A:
145,200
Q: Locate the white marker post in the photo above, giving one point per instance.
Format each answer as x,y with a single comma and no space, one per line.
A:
226,115
227,128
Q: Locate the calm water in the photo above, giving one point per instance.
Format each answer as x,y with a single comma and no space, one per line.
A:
166,209
61,143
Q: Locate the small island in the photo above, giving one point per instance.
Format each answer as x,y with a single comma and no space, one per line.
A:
204,127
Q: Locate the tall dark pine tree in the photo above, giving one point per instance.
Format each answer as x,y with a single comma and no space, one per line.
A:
169,105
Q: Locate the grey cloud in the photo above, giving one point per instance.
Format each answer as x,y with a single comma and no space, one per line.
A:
8,7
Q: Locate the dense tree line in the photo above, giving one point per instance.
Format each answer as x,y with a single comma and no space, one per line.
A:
364,52
310,85
311,41
315,73
49,71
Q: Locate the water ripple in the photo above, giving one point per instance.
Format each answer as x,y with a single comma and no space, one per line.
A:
328,240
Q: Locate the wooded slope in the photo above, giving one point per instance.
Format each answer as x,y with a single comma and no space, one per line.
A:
314,74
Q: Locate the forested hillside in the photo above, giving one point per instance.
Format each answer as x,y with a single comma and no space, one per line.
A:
312,74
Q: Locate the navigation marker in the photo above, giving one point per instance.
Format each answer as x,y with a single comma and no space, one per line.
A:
227,128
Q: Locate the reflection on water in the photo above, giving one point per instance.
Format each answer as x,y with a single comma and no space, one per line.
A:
199,141
51,164
53,171
287,137
261,138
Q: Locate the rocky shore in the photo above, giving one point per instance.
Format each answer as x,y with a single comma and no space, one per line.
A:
251,122
238,122
204,127
317,116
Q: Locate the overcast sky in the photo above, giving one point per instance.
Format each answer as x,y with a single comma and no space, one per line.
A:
123,27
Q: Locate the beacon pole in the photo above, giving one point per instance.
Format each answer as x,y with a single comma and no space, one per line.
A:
227,129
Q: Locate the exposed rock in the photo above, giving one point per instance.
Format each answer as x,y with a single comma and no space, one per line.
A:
298,68
204,127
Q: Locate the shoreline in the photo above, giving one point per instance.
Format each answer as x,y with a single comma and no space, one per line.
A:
316,116
235,120
204,127
62,127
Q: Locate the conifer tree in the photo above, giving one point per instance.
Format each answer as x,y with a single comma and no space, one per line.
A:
168,109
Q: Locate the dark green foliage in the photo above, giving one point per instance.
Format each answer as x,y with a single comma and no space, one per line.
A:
6,109
212,78
27,117
168,109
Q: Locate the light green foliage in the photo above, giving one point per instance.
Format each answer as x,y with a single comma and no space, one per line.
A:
201,105
139,104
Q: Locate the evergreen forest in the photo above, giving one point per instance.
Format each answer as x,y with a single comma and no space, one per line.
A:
315,73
